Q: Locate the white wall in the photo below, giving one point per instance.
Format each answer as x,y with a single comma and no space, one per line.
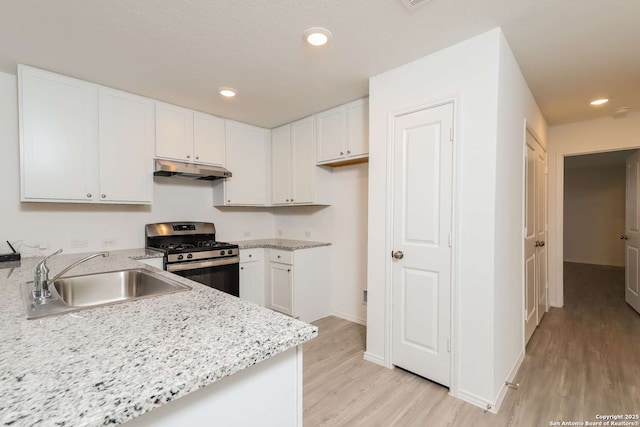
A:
594,211
56,224
517,110
492,101
591,136
345,225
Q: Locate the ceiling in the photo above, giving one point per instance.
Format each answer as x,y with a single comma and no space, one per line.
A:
570,51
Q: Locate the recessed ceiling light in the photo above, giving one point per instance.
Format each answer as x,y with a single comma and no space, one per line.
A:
599,101
317,36
227,92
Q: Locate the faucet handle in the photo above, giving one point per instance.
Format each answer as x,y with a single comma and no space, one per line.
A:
42,264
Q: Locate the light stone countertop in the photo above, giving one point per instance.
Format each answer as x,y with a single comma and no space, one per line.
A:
110,364
285,244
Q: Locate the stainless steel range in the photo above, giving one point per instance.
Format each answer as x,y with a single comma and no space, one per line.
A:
191,250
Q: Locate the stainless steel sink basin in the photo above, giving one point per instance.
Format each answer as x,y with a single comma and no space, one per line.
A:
92,290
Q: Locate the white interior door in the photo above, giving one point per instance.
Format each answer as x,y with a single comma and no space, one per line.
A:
422,194
632,235
530,242
541,231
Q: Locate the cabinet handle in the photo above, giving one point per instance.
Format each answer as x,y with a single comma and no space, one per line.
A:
89,195
188,156
288,270
241,268
104,196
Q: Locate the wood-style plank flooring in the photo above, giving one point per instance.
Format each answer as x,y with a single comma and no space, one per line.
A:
583,360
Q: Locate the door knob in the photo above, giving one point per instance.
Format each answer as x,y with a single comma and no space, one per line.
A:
539,244
623,237
397,255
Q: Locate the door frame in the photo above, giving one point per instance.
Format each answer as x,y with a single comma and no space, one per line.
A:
556,231
455,223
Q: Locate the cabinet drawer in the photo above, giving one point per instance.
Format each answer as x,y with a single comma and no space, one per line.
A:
247,255
284,257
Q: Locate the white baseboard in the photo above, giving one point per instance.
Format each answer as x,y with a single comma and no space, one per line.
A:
350,318
504,389
374,358
475,400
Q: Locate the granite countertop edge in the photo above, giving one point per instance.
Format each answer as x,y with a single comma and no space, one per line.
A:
284,244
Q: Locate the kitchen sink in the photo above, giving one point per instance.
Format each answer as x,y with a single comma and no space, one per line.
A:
93,290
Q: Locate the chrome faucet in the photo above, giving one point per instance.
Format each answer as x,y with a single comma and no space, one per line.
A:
41,275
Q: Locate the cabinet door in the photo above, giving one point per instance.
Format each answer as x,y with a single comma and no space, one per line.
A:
331,134
174,132
247,156
358,122
58,137
208,139
251,280
126,147
281,165
303,164
281,293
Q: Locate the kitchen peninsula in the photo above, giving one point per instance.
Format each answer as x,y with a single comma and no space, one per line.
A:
138,360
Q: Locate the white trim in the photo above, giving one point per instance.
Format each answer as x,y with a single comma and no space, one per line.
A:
503,392
299,386
455,227
349,317
373,358
475,400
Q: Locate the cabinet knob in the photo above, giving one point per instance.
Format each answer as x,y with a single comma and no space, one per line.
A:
342,153
228,201
188,156
288,270
348,152
104,196
292,200
278,256
287,200
197,157
250,255
89,195
241,268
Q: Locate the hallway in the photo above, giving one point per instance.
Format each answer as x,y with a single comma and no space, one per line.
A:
583,360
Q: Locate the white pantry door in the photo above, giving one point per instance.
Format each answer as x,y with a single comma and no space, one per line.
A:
541,231
422,204
632,234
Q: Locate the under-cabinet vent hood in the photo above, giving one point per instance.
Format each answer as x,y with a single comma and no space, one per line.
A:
189,170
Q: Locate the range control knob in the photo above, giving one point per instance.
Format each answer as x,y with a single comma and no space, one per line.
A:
222,252
180,257
190,256
230,252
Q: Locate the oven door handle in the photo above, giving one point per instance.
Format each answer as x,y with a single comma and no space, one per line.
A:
202,264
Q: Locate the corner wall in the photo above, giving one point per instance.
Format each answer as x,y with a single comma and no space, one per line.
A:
591,136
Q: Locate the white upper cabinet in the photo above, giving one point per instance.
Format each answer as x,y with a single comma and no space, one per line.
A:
281,165
189,136
126,147
295,178
58,137
80,142
247,149
343,134
174,132
208,139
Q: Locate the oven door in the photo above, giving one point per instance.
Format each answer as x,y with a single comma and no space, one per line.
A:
222,274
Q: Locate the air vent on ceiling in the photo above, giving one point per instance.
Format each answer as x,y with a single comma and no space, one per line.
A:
413,4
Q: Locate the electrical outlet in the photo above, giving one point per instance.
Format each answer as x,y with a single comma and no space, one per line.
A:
43,245
307,234
246,234
79,243
108,243
279,232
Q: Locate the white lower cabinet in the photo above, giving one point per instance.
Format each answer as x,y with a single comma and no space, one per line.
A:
299,282
252,277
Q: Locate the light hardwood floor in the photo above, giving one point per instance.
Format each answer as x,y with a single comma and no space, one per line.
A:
583,360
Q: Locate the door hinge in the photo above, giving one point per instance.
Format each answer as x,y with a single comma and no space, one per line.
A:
526,314
525,233
450,240
449,345
451,134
